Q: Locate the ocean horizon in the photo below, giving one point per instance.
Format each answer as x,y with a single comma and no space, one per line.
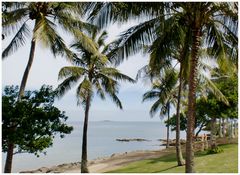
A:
102,142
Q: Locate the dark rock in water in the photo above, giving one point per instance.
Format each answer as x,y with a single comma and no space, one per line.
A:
130,140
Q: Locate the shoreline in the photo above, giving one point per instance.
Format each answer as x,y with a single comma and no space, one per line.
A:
106,163
117,160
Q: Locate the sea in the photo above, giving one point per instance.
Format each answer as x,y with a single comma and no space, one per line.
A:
102,142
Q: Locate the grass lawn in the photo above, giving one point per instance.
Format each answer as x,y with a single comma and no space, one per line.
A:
225,162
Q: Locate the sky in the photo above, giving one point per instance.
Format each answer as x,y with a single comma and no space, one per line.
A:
45,70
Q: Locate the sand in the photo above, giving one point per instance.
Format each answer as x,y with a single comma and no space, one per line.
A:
106,163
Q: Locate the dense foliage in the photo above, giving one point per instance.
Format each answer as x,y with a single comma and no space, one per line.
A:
212,107
32,122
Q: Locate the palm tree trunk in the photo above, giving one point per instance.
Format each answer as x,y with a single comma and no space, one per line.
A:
180,159
168,106
8,165
224,127
84,168
212,138
232,129
192,102
220,128
235,128
27,70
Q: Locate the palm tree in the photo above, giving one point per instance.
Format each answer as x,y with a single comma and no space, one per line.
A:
46,16
211,21
161,30
215,24
93,72
163,91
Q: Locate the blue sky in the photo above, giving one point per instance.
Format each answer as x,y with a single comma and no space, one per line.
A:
45,69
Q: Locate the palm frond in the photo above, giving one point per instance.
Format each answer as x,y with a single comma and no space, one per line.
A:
150,95
132,41
116,100
18,40
155,108
66,85
45,32
101,39
213,88
99,89
71,23
116,74
13,20
69,71
104,13
83,91
215,39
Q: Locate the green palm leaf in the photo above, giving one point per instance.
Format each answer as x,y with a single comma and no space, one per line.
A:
71,71
18,40
66,85
13,20
116,100
83,91
46,33
114,73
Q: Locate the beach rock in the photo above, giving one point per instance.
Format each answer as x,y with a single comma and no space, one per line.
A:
134,139
43,169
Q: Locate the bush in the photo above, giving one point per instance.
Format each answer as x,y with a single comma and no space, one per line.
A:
215,150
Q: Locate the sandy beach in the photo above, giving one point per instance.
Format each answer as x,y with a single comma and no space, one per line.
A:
106,163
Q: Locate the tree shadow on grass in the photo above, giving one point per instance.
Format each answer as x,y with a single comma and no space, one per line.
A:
167,158
165,169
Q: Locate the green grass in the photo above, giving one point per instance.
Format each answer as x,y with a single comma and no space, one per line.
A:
225,162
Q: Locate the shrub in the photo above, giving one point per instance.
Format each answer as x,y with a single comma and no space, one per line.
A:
215,150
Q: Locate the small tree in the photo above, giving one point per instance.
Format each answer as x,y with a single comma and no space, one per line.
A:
37,121
201,122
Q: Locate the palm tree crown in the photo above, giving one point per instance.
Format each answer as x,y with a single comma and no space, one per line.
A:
47,16
94,72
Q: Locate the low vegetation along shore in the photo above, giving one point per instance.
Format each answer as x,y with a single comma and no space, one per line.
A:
160,161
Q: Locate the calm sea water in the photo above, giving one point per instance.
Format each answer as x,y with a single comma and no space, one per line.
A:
101,142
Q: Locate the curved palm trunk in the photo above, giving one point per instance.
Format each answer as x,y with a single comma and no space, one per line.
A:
192,102
27,70
167,145
8,164
180,159
84,168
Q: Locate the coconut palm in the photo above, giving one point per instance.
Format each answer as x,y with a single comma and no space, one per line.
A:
163,91
45,17
213,23
94,73
161,31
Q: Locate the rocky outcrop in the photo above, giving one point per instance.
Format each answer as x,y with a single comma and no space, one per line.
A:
55,169
131,140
